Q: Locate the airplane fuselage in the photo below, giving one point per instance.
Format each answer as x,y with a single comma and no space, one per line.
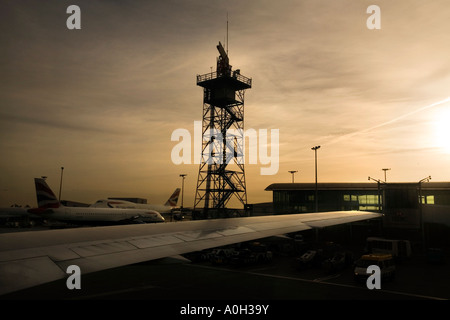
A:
102,216
112,203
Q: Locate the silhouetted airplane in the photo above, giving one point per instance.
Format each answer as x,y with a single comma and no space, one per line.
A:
168,207
49,207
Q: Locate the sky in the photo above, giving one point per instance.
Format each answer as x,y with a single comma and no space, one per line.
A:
103,101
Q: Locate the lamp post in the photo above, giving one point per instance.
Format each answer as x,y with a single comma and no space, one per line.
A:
182,188
292,172
427,179
379,193
385,169
60,183
315,156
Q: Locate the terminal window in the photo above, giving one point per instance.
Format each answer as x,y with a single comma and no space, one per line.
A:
427,199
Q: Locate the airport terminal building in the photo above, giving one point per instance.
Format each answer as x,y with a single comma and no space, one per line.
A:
407,207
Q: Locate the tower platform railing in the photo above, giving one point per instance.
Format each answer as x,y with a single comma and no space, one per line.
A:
215,75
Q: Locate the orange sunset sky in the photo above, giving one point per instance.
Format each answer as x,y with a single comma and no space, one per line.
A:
103,101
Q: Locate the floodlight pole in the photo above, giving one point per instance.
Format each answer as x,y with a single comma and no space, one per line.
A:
427,179
385,169
292,172
182,188
315,156
379,193
60,184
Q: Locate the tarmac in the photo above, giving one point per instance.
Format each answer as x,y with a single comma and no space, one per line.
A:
178,284
279,279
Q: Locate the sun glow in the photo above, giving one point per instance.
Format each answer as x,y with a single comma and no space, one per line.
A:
442,130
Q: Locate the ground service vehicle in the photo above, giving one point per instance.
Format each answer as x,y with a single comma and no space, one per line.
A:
220,256
254,252
308,259
397,248
384,261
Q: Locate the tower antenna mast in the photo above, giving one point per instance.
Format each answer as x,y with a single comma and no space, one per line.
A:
227,33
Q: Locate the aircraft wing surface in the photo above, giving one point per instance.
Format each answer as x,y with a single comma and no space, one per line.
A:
35,257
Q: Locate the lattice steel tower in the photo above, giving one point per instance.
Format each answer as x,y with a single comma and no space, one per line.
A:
221,174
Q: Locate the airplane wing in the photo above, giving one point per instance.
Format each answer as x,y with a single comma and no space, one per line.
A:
35,257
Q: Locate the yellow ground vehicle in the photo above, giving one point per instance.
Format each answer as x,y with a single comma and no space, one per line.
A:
384,261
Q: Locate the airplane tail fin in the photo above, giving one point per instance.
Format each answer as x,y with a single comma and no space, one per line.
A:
45,196
172,202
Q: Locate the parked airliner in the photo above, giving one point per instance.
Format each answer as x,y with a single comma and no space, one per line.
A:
49,207
168,207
